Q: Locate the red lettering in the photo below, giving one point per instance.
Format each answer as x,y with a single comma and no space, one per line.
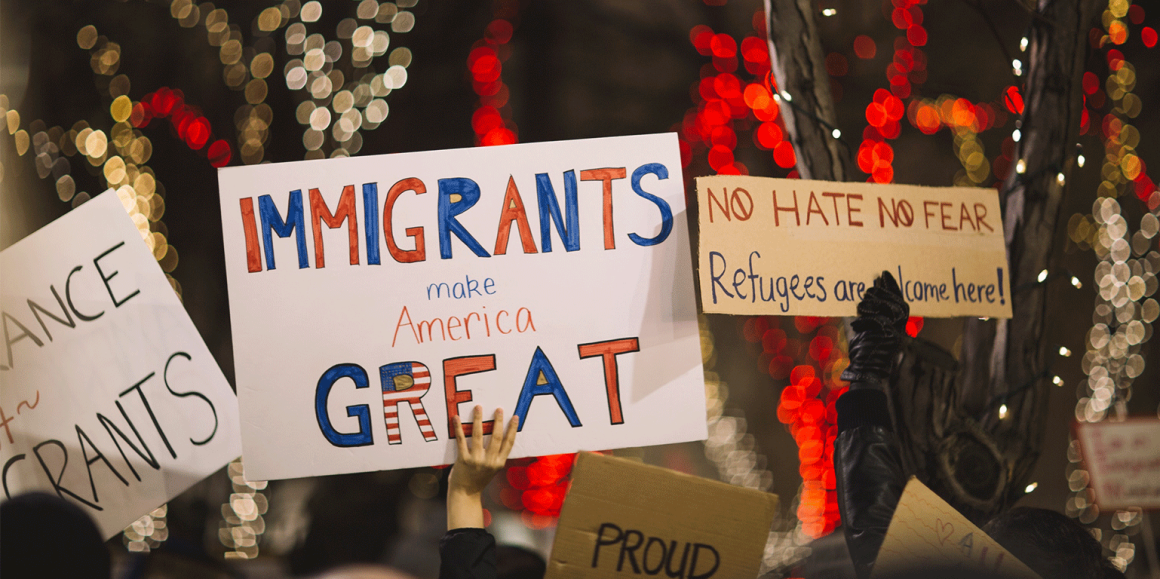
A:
416,233
452,369
607,351
250,228
606,176
319,213
513,210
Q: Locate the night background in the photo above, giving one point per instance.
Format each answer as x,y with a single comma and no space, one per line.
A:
154,95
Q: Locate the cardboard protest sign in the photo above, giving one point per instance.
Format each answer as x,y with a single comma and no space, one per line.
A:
110,397
373,298
811,248
928,533
1123,459
625,519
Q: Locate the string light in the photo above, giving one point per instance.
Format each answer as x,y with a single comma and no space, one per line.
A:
1063,351
242,523
836,133
1020,167
829,12
1125,275
1042,276
1002,411
1023,44
1031,487
1016,135
1057,381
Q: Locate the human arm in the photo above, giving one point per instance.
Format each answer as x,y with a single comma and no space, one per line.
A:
475,467
867,458
467,551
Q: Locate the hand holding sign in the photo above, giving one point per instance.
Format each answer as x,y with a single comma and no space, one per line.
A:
499,276
475,467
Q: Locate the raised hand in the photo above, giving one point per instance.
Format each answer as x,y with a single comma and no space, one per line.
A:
475,466
879,331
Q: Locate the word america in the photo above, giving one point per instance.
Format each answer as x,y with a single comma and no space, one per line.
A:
456,196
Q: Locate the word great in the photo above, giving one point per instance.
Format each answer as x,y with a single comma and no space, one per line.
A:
656,554
455,197
408,382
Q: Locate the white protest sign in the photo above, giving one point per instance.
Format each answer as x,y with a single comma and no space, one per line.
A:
110,397
373,297
811,248
1124,461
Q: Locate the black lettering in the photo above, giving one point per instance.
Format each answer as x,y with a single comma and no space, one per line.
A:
149,409
672,555
55,481
661,561
631,550
693,564
68,298
82,438
146,455
600,541
8,340
4,475
97,264
165,378
68,316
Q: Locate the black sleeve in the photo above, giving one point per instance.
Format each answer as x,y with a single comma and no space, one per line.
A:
467,554
869,473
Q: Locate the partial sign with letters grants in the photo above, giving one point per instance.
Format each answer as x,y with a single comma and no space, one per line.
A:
373,298
110,398
812,248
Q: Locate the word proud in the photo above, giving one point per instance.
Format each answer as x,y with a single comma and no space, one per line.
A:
455,197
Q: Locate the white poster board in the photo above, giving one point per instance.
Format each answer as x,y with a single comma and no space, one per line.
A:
372,297
1124,461
110,397
795,247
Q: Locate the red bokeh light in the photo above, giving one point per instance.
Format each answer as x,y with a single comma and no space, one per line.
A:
864,47
723,46
1013,100
1148,36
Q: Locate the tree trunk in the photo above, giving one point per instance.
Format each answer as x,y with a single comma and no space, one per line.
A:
946,414
799,66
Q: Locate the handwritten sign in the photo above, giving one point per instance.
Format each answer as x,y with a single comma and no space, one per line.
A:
928,533
793,247
626,519
110,397
374,298
1124,461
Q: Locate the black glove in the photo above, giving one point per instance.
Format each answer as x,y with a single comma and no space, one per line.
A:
879,331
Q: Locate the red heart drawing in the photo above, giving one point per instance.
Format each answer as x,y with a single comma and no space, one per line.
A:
945,530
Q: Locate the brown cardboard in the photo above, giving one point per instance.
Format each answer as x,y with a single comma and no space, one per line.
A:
1123,459
944,245
663,508
928,533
